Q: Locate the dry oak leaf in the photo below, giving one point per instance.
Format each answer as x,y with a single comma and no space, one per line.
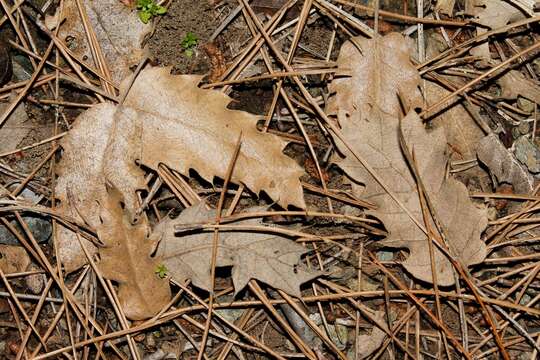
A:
125,258
267,257
368,111
462,221
118,30
514,84
80,183
504,165
165,119
495,14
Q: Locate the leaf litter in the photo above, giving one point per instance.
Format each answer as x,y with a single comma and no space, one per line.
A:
127,190
124,138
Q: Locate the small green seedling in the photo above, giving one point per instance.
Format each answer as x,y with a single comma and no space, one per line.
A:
148,9
161,271
189,42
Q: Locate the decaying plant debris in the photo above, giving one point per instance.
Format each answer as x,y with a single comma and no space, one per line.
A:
331,180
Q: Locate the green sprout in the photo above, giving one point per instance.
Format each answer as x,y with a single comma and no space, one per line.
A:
188,43
149,9
161,271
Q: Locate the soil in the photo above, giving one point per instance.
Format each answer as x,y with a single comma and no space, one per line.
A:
183,16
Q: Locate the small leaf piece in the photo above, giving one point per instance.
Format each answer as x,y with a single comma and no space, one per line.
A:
13,259
118,30
514,84
504,165
495,14
15,129
267,257
445,6
368,344
126,259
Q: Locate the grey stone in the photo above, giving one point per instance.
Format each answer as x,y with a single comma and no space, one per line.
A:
527,153
524,127
40,226
22,68
525,104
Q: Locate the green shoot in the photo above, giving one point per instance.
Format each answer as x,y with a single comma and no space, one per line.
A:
189,42
161,271
148,9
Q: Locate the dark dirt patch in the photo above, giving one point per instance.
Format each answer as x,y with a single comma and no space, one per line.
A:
183,16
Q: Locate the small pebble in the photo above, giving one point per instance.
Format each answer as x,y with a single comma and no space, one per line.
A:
158,355
525,104
39,226
150,341
492,214
385,255
35,283
524,127
339,335
527,153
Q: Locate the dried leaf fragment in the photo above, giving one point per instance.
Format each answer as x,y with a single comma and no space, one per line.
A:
13,259
504,165
445,6
514,84
495,14
15,129
126,259
118,30
368,108
368,344
267,257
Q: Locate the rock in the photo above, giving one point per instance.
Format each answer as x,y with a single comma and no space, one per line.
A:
35,282
385,255
527,153
39,226
158,355
338,335
525,104
22,68
231,314
150,341
524,127
492,213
